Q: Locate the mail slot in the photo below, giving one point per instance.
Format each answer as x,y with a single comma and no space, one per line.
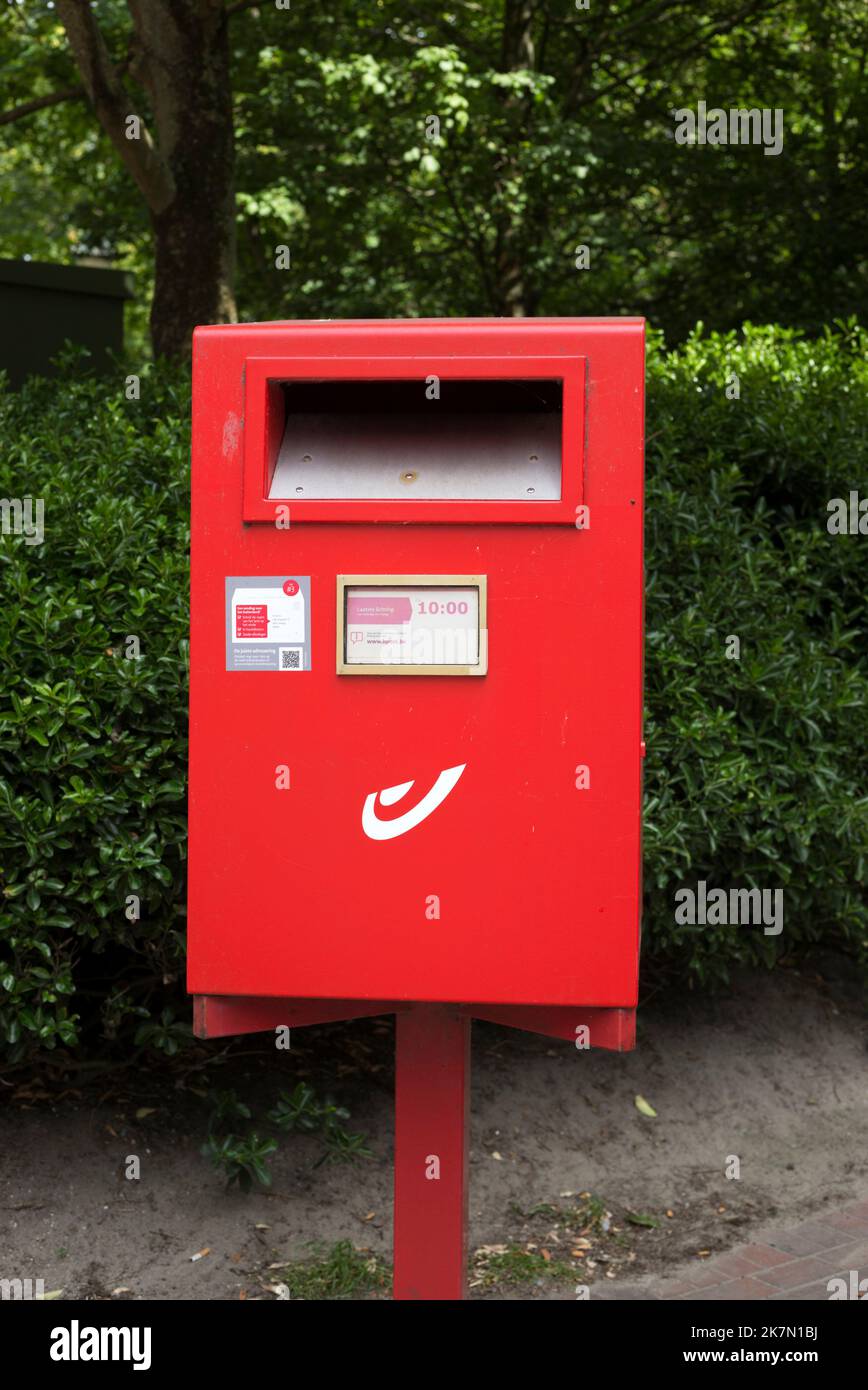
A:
416,661
487,439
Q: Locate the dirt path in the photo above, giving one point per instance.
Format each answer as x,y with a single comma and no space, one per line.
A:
774,1075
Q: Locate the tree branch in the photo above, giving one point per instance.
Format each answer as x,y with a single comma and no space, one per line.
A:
103,85
677,54
17,113
696,43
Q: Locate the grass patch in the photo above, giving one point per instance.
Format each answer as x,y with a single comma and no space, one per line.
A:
509,1265
580,1239
344,1272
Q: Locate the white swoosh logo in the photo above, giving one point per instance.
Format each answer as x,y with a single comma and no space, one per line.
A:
377,829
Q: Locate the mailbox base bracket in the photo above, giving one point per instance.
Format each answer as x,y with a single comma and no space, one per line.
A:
222,1015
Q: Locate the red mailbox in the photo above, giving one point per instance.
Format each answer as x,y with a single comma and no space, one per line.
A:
416,674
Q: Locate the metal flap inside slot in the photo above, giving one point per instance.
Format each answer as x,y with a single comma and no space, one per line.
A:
485,439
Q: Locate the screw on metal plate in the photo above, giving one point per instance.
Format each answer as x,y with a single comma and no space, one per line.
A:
410,476
533,459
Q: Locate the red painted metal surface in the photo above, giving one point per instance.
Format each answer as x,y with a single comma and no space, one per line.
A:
537,881
227,1015
611,1029
432,1090
223,1016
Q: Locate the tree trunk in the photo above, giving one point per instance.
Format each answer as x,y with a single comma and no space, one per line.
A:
194,236
184,64
514,296
194,245
180,55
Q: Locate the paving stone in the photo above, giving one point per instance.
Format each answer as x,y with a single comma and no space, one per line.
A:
844,1221
798,1272
808,1239
808,1293
764,1256
701,1276
739,1289
625,1294
734,1264
676,1288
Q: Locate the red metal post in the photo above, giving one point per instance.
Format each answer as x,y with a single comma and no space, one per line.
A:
432,1092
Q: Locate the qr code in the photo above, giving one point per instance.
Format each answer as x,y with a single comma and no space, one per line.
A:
290,658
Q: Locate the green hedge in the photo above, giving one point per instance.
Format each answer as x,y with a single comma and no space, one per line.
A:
756,767
93,745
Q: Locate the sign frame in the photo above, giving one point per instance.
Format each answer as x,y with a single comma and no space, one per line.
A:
411,581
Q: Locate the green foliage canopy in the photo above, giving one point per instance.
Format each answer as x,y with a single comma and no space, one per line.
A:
555,130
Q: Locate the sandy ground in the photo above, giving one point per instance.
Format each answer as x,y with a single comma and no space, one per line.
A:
774,1073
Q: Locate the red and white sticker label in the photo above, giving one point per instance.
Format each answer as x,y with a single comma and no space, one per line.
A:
268,623
267,615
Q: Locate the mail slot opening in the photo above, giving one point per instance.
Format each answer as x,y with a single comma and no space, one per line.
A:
479,439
